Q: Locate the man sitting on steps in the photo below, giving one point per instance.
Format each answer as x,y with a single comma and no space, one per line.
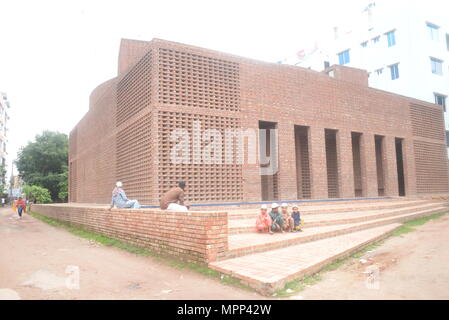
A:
173,199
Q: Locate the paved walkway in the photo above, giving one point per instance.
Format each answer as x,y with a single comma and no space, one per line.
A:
273,267
412,266
36,260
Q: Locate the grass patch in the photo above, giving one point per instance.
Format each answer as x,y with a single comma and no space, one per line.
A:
295,286
170,261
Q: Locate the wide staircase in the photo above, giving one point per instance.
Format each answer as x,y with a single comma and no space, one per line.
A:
331,231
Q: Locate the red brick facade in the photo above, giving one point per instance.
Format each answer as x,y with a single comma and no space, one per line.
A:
336,136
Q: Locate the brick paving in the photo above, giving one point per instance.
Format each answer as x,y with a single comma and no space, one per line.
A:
272,268
266,262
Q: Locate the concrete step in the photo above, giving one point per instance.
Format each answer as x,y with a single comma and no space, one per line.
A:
307,209
316,220
249,243
269,271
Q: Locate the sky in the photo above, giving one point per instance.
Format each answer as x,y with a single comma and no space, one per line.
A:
54,53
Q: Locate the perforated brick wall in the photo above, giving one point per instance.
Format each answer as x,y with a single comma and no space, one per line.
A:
206,182
194,80
133,90
427,122
431,170
134,158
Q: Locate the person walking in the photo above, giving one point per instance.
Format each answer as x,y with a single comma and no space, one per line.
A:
21,207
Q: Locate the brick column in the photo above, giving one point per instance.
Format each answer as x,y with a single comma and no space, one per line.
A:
287,162
252,189
318,170
390,167
369,169
409,167
345,164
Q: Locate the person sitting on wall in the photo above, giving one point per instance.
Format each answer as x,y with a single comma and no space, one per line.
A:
173,199
288,220
298,222
276,218
263,222
120,200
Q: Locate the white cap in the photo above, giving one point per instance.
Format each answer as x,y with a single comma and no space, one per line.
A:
274,205
118,184
264,206
284,205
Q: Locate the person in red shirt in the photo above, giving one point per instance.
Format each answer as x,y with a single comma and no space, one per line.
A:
21,207
263,222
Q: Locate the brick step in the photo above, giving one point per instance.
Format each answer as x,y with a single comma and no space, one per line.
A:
316,220
248,243
334,208
271,270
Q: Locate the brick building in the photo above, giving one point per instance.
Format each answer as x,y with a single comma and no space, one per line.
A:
336,137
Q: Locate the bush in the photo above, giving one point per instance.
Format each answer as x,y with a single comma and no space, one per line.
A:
38,194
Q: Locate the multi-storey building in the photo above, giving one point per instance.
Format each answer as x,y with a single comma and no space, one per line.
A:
404,46
4,106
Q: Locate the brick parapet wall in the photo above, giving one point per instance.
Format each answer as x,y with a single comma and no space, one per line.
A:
191,236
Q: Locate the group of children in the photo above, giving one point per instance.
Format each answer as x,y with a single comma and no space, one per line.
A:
276,221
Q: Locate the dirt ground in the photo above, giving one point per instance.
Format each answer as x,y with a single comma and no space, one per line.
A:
412,266
38,261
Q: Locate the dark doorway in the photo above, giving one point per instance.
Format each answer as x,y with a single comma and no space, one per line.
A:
268,161
357,164
379,144
302,162
400,166
331,163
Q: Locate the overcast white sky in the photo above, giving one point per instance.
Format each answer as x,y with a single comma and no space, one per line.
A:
54,53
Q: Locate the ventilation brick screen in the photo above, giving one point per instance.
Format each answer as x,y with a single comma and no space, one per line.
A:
205,182
197,81
134,90
427,122
431,167
134,155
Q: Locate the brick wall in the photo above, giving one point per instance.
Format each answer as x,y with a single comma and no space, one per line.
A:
192,236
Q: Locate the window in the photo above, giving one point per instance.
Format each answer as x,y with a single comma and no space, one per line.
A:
440,100
379,71
391,38
437,66
376,39
326,64
433,30
343,57
394,71
447,41
364,44
447,138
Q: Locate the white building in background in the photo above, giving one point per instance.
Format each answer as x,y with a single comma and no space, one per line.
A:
4,106
404,46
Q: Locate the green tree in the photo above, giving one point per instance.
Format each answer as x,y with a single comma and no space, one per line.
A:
43,162
63,187
38,194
